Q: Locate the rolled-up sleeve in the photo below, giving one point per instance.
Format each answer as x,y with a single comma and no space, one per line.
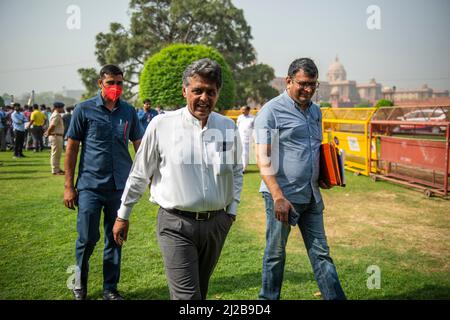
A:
264,126
136,131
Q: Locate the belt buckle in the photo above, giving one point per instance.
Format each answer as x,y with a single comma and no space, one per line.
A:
198,213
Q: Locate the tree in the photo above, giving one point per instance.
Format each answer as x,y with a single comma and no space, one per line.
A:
2,102
362,104
161,79
156,24
89,77
384,103
253,85
325,105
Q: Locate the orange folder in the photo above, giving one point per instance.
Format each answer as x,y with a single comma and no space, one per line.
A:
331,165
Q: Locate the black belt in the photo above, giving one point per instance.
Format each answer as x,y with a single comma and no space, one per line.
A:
199,216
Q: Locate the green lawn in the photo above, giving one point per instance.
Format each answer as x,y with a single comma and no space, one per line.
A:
399,230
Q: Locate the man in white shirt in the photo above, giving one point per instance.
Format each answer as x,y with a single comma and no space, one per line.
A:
245,124
192,158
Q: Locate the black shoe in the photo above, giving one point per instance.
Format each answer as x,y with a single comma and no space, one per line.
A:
79,294
112,295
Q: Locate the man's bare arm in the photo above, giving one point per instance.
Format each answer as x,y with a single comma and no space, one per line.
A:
263,160
70,162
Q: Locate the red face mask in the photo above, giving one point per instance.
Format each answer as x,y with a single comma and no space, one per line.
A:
112,92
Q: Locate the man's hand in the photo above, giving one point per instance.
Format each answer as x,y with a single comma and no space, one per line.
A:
232,217
120,231
70,198
282,207
324,185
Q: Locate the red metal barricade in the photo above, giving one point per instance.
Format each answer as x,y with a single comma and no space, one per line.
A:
414,147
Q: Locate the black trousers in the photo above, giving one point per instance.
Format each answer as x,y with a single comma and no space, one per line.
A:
19,137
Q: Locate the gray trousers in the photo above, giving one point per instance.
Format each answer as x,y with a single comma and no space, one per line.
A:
190,249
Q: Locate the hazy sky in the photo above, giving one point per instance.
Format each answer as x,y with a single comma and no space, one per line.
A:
412,48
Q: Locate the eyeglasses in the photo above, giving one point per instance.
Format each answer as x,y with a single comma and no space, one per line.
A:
306,84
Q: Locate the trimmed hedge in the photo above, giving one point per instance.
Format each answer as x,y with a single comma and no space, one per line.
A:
161,78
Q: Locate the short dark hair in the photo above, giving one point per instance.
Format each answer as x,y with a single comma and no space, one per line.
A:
306,64
147,100
35,106
205,68
110,69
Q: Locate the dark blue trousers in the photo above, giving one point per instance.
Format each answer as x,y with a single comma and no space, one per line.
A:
90,205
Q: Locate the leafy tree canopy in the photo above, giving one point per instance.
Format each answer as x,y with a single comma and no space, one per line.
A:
156,24
161,79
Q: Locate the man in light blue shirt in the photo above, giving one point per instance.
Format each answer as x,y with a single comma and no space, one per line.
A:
288,138
18,121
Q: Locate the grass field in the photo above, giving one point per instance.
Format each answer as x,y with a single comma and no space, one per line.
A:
368,224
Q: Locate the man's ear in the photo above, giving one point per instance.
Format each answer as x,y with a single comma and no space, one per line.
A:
99,83
184,91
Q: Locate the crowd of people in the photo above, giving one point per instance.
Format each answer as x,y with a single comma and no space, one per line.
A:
24,127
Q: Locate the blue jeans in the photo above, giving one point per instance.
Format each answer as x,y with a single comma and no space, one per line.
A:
311,227
90,205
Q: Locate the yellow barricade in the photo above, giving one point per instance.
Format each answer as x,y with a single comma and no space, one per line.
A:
348,128
234,114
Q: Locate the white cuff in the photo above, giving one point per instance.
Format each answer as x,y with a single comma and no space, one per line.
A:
124,212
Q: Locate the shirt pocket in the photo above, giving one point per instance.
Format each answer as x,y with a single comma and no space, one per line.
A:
99,130
121,131
223,164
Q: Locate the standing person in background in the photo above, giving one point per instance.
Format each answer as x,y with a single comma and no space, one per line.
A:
37,120
245,124
45,127
9,128
67,116
18,122
148,114
103,125
28,140
3,128
55,133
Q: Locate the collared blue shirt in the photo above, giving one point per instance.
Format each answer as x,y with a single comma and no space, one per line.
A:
104,161
146,117
18,121
295,136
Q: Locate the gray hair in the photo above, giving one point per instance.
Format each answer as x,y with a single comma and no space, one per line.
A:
307,65
205,68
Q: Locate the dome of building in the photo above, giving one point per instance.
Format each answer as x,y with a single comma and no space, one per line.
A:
336,71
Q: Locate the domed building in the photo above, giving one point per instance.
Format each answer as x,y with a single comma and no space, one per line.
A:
343,92
336,71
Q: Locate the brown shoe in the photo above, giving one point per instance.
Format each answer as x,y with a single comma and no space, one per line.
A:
59,173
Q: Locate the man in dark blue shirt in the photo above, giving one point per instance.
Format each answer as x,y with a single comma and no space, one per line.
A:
147,115
103,125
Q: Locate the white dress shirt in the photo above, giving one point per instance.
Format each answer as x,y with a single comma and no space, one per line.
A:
190,168
245,125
